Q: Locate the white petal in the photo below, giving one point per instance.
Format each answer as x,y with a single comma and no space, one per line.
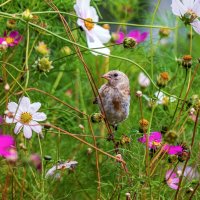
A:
10,120
35,126
27,132
24,103
178,8
102,33
188,3
12,107
82,7
18,127
34,107
159,95
39,116
196,26
92,13
93,42
196,8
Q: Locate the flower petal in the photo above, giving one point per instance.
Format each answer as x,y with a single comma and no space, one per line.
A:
173,186
93,43
35,126
175,180
14,34
24,103
39,116
12,107
18,127
27,132
196,7
196,25
10,120
34,107
102,33
120,38
178,8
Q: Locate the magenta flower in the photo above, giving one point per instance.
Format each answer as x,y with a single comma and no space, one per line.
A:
135,34
172,179
6,144
12,39
155,139
173,150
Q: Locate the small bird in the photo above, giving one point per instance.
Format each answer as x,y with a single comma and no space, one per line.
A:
114,97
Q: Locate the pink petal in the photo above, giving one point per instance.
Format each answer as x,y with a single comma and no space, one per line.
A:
120,39
14,34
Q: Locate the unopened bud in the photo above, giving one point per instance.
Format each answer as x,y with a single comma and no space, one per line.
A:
47,157
187,61
171,136
144,124
66,51
96,117
106,26
164,32
7,87
129,43
11,23
128,196
89,151
26,15
139,93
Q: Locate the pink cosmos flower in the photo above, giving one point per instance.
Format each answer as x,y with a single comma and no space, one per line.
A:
173,150
136,34
12,39
6,144
155,140
172,179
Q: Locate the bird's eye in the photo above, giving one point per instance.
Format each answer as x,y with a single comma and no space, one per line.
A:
115,75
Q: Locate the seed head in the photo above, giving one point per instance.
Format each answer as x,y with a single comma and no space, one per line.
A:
129,43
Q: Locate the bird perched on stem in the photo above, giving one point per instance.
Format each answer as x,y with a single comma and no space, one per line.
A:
114,98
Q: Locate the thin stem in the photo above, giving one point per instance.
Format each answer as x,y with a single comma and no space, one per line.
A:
26,61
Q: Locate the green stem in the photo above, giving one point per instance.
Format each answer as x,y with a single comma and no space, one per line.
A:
26,61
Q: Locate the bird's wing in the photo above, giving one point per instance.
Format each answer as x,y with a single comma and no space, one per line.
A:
102,88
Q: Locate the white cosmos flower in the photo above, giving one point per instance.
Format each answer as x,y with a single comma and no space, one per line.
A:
54,171
96,35
161,98
188,11
25,115
143,80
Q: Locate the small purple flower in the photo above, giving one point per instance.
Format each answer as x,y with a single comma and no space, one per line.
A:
36,160
172,179
155,139
135,34
173,150
12,39
6,144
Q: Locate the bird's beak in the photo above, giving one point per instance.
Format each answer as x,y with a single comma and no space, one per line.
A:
106,76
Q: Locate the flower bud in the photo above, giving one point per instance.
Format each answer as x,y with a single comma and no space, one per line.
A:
66,51
143,80
96,117
42,48
3,46
114,37
125,139
44,64
170,136
89,151
129,43
106,26
26,15
128,196
144,124
187,61
138,93
11,23
1,80
7,87
163,79
164,32
47,157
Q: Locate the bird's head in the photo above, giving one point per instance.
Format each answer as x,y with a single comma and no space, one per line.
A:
116,78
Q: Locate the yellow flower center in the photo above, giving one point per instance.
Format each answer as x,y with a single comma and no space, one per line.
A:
156,144
89,23
26,117
9,40
192,15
